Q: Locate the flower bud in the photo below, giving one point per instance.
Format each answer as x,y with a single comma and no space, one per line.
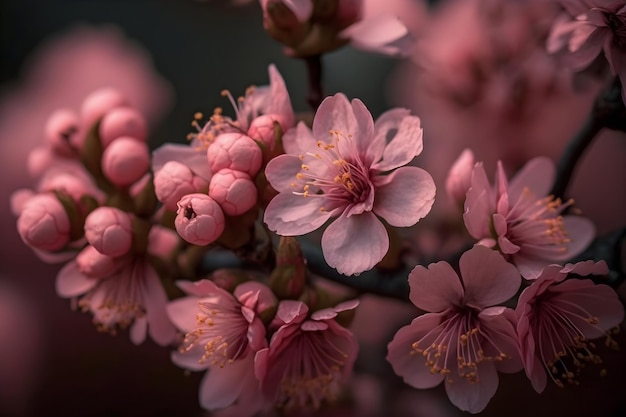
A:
72,184
234,191
109,230
460,177
199,219
43,223
175,180
235,151
61,126
288,279
39,160
125,161
263,128
94,264
19,198
98,103
122,121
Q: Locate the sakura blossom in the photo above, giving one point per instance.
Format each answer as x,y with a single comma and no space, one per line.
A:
592,27
308,359
559,316
521,221
465,337
223,331
351,168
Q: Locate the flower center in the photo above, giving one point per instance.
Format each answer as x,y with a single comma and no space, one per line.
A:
117,300
334,176
222,330
563,348
461,342
312,371
536,225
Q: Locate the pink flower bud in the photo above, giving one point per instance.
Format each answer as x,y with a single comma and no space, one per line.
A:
125,161
235,151
71,183
43,223
262,128
175,180
122,121
19,198
200,219
94,264
234,191
109,230
39,160
98,103
460,177
61,126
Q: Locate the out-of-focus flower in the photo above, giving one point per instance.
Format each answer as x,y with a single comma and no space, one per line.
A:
594,26
558,318
313,27
462,339
349,167
125,160
200,219
223,332
460,177
524,224
308,358
122,121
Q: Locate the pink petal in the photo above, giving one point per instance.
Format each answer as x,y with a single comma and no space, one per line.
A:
378,34
412,368
365,134
185,154
303,9
281,173
586,268
479,204
474,397
190,359
538,175
588,51
487,278
298,139
560,33
280,103
405,196
182,313
355,244
582,232
291,311
499,323
161,329
336,114
295,215
220,387
435,289
405,144
71,282
54,257
139,331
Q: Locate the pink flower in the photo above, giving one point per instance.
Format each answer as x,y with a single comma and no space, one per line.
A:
200,219
462,339
557,318
223,333
272,101
598,26
347,168
130,296
521,222
459,177
308,358
234,191
109,230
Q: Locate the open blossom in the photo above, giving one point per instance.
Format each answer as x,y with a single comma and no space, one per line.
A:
309,357
558,318
462,339
222,334
593,26
351,168
125,294
524,224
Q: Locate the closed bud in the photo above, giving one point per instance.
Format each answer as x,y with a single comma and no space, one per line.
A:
60,128
289,276
43,223
199,219
233,190
125,161
175,180
235,151
110,231
123,121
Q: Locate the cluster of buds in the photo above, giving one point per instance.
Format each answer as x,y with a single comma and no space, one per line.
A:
94,208
215,184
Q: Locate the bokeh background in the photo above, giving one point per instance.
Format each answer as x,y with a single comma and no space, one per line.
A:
172,58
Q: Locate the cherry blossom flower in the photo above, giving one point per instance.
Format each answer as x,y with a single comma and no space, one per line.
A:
558,318
308,358
462,339
524,224
223,332
594,26
131,294
348,167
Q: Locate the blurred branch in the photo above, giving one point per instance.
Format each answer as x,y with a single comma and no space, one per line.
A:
314,74
608,111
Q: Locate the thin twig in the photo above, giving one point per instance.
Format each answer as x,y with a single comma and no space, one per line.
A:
314,74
